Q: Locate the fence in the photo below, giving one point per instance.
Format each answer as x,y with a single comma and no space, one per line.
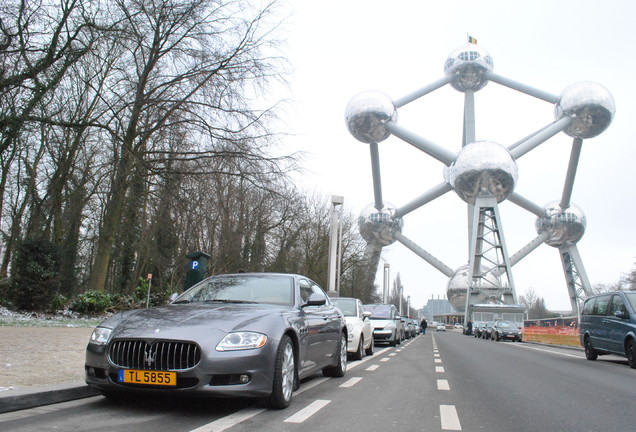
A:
553,331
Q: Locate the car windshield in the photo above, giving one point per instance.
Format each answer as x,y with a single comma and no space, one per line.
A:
379,311
347,306
244,288
631,296
506,324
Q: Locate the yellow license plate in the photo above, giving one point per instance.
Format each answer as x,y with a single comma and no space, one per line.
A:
131,376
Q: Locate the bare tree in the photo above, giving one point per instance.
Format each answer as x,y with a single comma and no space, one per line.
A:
184,62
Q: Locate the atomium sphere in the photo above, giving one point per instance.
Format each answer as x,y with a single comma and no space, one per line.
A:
458,288
591,107
565,228
483,168
467,67
377,227
366,115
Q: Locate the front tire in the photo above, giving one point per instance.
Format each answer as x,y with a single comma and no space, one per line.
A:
630,352
340,368
284,376
369,351
360,351
590,352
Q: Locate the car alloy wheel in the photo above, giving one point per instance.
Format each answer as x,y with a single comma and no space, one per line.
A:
284,375
369,351
340,368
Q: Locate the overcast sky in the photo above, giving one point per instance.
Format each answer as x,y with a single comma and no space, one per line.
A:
339,48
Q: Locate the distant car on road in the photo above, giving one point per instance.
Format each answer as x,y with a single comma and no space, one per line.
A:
359,327
238,335
440,327
478,328
486,329
505,330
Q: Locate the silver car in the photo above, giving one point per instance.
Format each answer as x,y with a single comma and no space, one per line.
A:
247,334
386,322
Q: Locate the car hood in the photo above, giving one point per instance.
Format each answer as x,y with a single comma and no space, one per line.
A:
187,321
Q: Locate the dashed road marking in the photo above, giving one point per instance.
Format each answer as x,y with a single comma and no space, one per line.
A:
385,359
308,411
442,384
229,421
449,418
438,360
351,382
373,367
311,385
439,369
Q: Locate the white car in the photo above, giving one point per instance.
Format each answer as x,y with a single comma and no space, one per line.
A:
358,326
440,327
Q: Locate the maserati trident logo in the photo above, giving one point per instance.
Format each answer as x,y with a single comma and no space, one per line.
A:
149,356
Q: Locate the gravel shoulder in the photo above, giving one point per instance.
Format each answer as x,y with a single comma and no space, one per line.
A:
40,356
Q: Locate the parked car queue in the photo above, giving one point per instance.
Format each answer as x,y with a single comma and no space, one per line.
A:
498,330
238,335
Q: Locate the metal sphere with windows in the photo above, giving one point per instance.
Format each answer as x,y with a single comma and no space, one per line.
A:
377,226
483,168
467,67
366,115
565,227
458,287
591,107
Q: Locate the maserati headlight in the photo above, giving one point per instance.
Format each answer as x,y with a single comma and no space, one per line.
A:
101,335
242,341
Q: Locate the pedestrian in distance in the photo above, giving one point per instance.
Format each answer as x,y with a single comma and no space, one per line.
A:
424,324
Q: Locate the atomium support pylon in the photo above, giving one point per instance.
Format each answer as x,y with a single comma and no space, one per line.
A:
483,174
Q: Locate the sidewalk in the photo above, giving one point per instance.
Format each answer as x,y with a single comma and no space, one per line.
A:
42,366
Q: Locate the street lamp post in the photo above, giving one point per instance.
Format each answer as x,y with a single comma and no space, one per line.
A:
334,243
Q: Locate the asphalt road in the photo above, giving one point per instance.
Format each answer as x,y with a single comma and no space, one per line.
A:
437,382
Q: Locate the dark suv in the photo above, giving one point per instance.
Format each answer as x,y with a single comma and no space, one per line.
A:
608,325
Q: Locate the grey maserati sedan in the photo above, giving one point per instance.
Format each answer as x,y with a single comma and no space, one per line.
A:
236,335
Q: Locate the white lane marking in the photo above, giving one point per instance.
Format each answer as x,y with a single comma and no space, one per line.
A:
308,411
385,359
392,354
350,383
311,385
229,421
439,369
365,359
449,418
436,355
546,350
247,413
442,385
438,360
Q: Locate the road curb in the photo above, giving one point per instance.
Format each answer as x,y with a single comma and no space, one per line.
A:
15,400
